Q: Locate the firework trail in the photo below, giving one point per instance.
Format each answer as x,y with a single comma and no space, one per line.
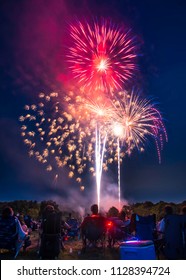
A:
136,119
119,176
134,122
89,134
123,123
99,154
102,56
97,125
62,133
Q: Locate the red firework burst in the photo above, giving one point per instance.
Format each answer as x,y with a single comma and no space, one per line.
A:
102,56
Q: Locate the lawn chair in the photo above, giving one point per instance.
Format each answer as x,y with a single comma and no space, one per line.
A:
117,230
50,243
94,233
174,237
144,228
74,227
9,236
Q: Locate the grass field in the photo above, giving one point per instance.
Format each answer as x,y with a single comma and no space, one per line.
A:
72,251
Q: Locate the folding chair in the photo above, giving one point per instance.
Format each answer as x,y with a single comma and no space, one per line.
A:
9,236
144,228
50,244
174,237
94,233
117,231
74,230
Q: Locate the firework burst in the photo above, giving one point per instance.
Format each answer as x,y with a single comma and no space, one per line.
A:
89,133
98,125
51,135
102,56
135,120
56,133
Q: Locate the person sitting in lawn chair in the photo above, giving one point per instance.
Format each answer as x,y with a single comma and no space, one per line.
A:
51,233
11,234
93,229
74,225
27,241
168,210
117,229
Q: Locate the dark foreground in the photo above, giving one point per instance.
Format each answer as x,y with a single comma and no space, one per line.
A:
72,251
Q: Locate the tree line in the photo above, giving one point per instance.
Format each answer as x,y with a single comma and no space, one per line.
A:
35,208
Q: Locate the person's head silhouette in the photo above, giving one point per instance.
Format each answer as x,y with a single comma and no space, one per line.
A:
94,209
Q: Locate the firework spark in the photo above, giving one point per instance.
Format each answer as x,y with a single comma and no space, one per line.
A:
136,120
102,56
57,135
122,124
89,134
96,126
62,133
51,135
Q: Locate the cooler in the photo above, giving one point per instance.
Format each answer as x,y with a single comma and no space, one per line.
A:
137,250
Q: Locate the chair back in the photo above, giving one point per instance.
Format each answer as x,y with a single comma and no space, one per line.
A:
51,223
174,236
144,226
74,224
94,229
117,229
8,233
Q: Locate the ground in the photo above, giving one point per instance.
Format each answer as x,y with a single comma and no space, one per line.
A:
72,251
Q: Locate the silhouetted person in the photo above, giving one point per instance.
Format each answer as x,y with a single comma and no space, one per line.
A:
9,219
11,233
93,227
52,231
94,210
27,241
168,210
28,221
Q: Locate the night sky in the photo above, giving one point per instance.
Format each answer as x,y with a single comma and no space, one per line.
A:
32,60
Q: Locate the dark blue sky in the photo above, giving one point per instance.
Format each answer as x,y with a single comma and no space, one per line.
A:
32,33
